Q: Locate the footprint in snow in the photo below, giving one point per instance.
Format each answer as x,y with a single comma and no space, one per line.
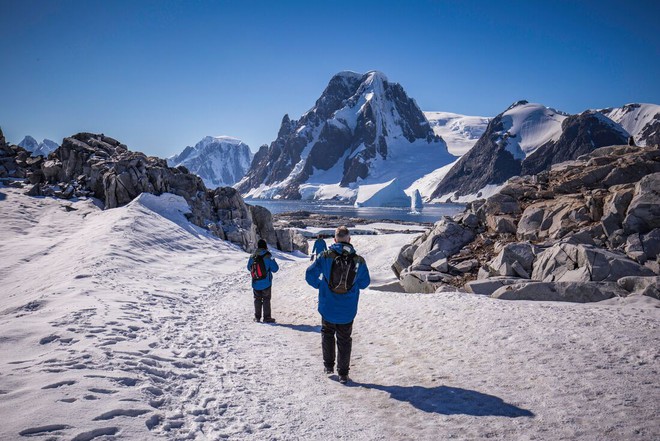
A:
59,384
120,412
43,429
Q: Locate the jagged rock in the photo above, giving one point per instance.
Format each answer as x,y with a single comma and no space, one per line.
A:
615,207
263,221
554,218
490,285
578,292
445,239
644,210
502,224
423,281
515,259
441,265
466,266
290,240
565,262
405,257
646,286
651,244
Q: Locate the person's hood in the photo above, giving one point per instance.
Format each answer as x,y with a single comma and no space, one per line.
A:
261,251
342,248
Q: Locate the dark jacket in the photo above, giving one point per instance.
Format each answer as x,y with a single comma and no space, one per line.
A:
271,267
337,308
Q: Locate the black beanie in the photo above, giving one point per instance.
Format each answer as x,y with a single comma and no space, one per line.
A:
262,244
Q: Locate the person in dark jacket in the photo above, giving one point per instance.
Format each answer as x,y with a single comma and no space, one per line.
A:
319,247
337,310
262,288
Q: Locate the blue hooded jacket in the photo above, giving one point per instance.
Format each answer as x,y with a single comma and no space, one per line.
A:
319,246
333,307
271,267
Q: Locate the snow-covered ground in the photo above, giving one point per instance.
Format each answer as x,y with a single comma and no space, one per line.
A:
131,324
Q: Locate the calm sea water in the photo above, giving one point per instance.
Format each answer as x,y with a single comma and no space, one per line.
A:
430,213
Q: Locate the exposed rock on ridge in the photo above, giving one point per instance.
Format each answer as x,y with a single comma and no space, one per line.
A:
96,165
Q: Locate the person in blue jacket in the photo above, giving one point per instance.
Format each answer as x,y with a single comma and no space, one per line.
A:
319,247
338,310
261,287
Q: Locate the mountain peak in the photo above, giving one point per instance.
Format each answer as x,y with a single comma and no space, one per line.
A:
518,103
218,160
362,130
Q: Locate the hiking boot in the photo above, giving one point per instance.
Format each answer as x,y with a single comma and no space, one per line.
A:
328,371
257,319
343,379
269,320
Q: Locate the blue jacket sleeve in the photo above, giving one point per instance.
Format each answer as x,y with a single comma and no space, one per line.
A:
362,279
249,265
312,274
272,265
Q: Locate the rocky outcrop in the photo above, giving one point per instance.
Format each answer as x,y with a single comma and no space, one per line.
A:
588,222
98,166
561,291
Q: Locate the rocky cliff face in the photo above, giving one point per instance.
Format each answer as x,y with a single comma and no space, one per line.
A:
586,230
526,139
220,161
88,164
363,128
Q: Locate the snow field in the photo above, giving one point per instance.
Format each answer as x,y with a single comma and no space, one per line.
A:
132,324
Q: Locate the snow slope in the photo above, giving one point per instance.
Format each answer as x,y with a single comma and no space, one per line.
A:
460,132
527,126
130,323
634,118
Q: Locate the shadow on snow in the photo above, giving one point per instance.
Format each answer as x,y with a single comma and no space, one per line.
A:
301,328
448,400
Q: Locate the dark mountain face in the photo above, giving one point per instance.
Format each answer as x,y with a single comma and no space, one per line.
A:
488,162
581,134
355,121
491,162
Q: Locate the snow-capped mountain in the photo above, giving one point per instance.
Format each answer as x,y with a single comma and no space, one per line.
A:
43,148
525,139
641,120
220,161
363,130
460,132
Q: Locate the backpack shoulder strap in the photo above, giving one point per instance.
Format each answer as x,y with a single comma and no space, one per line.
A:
330,253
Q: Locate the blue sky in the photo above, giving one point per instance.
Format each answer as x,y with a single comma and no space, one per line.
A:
159,75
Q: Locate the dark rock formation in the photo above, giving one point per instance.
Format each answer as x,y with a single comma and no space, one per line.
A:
580,135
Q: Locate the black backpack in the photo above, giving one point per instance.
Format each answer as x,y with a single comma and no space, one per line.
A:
258,270
343,271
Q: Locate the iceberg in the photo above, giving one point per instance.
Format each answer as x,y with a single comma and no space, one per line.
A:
387,194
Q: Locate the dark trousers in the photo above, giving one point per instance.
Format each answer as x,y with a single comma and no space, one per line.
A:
262,300
344,345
